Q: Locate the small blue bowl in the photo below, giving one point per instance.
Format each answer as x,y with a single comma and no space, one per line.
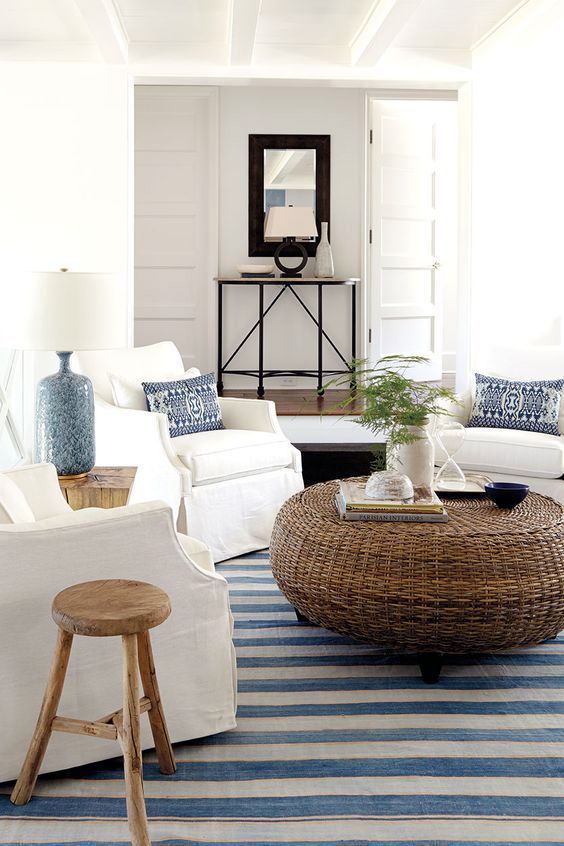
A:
506,494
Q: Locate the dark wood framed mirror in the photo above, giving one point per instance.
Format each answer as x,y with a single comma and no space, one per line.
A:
287,170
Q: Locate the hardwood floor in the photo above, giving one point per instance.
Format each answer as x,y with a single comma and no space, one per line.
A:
292,402
299,402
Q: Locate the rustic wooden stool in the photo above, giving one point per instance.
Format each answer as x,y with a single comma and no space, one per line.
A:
109,608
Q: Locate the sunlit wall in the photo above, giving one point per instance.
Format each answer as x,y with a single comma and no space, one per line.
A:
64,191
518,181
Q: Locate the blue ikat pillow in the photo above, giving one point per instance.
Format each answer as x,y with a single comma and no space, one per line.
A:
530,406
191,405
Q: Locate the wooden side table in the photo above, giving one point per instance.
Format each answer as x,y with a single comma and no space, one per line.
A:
103,487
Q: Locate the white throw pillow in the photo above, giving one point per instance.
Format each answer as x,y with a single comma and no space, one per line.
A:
129,393
14,507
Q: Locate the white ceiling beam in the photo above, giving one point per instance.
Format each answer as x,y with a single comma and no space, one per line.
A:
106,28
401,68
385,21
278,164
244,20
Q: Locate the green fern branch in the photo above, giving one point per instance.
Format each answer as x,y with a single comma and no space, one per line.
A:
392,401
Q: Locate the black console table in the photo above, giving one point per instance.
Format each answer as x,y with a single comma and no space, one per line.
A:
290,286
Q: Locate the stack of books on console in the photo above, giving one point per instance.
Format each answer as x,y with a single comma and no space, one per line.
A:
256,271
353,504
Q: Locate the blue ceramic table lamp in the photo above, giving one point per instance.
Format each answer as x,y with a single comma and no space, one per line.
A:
63,312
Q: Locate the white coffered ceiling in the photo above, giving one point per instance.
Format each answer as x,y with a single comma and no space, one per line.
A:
454,24
332,39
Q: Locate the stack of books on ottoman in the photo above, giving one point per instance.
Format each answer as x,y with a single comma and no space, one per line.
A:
353,504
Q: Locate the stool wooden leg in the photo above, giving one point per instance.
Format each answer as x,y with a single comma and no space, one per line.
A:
40,740
131,743
165,755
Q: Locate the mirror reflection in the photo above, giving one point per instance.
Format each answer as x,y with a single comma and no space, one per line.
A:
289,179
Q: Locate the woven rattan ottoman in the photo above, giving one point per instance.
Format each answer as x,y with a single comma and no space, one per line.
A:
489,579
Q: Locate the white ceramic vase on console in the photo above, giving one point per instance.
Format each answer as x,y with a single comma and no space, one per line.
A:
417,459
324,268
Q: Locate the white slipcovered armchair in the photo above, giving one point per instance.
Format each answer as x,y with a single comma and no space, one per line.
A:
193,649
502,452
226,485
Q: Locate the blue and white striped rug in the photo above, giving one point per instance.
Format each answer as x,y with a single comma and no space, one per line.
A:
337,743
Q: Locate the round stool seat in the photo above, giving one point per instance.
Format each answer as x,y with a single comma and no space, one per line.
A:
110,607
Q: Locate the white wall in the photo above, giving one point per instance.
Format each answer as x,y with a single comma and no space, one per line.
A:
290,336
64,167
64,159
518,181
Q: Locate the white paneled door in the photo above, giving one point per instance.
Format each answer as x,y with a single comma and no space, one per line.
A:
176,219
412,258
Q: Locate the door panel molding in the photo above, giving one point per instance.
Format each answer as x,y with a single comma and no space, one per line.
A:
176,215
410,163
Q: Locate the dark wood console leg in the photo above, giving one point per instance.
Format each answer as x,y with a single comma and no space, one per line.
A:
320,388
430,664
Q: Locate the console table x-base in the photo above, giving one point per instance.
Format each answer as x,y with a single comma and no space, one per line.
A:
285,285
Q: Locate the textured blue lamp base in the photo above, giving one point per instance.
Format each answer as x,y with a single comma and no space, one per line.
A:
64,421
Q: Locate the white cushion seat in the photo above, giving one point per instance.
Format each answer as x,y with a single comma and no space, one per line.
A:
512,451
230,453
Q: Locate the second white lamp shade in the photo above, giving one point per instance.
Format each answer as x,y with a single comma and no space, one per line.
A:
289,222
64,311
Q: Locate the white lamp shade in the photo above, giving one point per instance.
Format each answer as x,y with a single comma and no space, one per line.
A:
289,222
64,311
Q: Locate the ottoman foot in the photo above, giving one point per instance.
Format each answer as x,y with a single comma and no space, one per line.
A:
430,664
301,618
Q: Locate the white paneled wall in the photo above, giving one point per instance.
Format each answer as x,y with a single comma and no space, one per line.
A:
175,218
186,213
290,336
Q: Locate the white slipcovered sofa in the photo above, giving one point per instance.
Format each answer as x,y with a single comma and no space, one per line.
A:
228,484
193,649
502,452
